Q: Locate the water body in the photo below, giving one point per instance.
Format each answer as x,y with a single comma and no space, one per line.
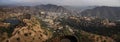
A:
12,21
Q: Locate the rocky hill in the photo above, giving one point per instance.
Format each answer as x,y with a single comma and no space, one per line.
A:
30,31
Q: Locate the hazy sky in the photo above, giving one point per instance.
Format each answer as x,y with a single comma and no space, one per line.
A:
65,2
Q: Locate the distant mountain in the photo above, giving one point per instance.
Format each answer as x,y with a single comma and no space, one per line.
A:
103,12
35,9
51,7
79,8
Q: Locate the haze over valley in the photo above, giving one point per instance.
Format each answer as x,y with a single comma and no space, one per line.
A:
59,21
